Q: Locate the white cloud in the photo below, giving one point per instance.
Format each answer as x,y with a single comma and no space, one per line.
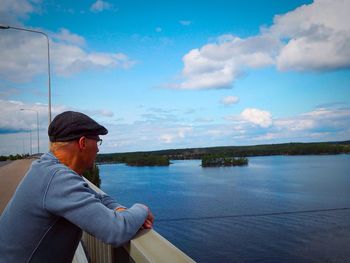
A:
17,64
218,65
67,57
16,126
65,36
321,124
17,7
313,37
257,117
229,100
298,124
11,11
319,36
14,120
70,59
100,6
321,119
175,134
26,56
185,22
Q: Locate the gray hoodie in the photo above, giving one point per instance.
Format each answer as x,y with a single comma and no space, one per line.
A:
44,220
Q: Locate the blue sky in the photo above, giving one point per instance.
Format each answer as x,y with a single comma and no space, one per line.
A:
179,74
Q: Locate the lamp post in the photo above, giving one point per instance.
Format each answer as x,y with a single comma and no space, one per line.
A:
48,56
37,128
30,141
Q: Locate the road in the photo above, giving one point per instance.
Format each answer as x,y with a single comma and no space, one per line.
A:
10,175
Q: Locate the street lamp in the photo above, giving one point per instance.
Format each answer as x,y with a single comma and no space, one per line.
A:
30,141
48,57
37,127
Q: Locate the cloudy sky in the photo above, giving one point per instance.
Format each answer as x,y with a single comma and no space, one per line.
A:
178,74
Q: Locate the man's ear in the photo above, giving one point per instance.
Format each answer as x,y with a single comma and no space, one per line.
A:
82,143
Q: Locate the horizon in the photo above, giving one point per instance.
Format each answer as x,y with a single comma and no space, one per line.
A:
223,146
181,75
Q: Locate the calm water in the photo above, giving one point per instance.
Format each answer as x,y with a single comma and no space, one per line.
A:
229,214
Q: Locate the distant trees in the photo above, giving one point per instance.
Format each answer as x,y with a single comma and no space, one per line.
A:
147,160
214,160
134,159
93,175
13,157
262,150
151,158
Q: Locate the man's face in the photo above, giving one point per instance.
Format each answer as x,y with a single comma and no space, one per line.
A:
91,151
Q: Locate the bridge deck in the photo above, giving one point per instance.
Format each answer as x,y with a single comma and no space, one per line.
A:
10,176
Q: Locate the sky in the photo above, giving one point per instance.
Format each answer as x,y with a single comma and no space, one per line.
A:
177,74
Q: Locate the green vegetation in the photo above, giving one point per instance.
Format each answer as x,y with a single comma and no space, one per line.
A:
147,160
227,151
13,157
214,160
93,175
134,159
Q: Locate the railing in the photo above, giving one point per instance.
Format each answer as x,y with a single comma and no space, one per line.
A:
146,246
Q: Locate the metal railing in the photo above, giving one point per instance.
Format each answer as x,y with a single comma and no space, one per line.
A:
146,246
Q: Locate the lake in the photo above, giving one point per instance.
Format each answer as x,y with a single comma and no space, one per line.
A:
276,209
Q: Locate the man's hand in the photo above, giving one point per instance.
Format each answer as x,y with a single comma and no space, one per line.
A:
149,220
148,224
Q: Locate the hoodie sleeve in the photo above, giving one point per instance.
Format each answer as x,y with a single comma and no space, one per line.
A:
69,196
107,200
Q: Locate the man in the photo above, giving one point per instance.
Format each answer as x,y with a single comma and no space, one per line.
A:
43,221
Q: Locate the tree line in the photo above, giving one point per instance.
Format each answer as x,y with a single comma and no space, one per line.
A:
163,156
93,175
215,160
134,159
13,157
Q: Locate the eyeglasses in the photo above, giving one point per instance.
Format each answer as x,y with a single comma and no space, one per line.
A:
97,139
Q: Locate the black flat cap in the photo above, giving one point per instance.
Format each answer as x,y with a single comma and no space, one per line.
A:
71,125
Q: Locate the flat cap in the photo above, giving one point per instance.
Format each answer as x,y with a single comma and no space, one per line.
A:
71,125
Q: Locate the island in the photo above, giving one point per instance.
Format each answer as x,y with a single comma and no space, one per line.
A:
217,160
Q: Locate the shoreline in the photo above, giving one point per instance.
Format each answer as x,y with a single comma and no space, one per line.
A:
199,159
